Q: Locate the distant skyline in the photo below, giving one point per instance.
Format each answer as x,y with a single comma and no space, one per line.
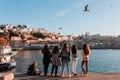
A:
103,17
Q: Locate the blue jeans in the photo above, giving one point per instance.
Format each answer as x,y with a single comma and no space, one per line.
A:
65,62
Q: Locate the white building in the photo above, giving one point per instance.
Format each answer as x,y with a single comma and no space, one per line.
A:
16,42
5,50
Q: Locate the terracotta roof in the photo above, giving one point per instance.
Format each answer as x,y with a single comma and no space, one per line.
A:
16,38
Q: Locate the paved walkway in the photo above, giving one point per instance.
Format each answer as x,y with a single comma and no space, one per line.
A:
91,76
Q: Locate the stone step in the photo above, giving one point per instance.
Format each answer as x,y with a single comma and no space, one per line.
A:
7,76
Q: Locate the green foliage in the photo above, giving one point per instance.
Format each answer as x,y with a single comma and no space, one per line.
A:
24,26
38,35
3,41
12,34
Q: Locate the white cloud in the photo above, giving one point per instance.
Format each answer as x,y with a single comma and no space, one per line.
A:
62,13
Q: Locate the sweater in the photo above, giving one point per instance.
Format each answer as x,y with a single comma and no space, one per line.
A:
55,59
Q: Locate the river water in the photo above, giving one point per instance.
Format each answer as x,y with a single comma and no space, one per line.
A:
104,61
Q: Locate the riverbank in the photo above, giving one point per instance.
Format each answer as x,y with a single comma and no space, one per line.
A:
91,76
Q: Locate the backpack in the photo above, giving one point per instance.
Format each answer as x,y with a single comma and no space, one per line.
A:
64,54
30,69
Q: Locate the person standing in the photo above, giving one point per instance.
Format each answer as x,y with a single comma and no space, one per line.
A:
55,60
65,58
85,53
46,58
74,59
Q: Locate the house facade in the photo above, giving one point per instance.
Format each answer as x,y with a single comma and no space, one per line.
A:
5,50
16,43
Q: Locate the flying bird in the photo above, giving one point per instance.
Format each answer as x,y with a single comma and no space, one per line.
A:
86,9
60,28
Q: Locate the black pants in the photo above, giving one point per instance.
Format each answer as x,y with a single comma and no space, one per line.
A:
56,68
46,64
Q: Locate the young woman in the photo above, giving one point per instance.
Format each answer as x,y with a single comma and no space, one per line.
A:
85,53
33,70
65,57
55,60
74,59
46,58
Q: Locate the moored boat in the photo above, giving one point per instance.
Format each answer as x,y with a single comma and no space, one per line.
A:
6,60
7,66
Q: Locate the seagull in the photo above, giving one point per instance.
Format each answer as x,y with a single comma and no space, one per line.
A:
60,28
86,9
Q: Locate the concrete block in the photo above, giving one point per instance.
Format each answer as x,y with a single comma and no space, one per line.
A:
7,76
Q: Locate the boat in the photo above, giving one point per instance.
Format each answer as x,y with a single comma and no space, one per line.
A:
7,66
6,61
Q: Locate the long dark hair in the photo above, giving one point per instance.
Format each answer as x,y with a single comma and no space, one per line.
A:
86,49
46,48
55,50
65,47
74,49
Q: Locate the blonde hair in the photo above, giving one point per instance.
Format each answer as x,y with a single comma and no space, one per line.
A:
35,63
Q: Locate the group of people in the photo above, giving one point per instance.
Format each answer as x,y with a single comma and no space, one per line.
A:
62,58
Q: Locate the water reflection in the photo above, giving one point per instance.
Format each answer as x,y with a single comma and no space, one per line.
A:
100,61
25,58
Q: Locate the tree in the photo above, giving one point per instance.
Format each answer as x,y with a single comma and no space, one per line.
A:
19,26
11,33
38,35
24,26
3,41
87,33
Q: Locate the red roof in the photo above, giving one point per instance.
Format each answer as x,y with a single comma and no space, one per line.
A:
16,38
